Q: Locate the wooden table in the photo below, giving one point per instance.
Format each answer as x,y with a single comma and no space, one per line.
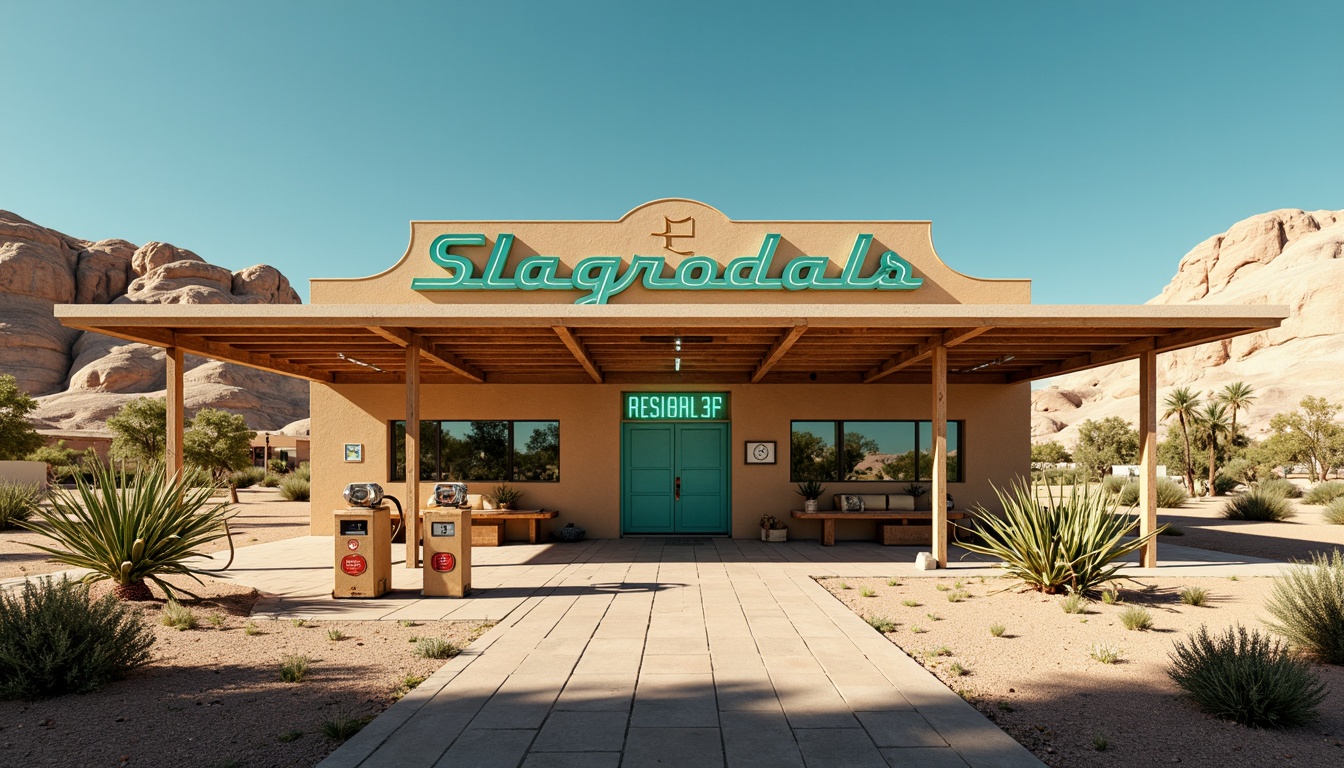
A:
828,519
497,517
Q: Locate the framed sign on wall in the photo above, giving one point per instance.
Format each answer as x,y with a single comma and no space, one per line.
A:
354,451
760,451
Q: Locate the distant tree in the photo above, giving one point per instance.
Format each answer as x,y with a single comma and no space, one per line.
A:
141,430
17,436
1182,403
1104,443
811,457
857,448
1050,453
219,443
1237,396
1212,423
1308,436
56,457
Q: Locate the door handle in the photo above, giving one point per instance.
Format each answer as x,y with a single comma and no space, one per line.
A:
676,490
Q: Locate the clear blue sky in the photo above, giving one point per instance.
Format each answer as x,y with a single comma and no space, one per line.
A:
1085,145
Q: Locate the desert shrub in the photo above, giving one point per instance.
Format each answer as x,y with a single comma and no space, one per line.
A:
1246,677
1195,596
277,466
1136,618
1334,512
294,668
18,503
270,480
178,616
1113,484
1169,493
1067,543
435,648
997,630
1324,493
294,488
882,624
1280,487
1061,475
1258,504
304,470
1224,484
1106,653
246,478
130,535
55,640
1308,603
342,728
1074,603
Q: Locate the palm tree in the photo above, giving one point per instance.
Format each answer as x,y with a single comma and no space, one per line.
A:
1237,396
1212,422
1182,403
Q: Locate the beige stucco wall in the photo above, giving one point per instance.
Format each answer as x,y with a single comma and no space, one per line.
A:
996,446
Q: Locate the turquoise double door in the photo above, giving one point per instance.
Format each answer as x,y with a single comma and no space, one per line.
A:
675,478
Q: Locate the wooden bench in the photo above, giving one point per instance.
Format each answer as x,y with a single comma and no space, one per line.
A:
828,519
491,524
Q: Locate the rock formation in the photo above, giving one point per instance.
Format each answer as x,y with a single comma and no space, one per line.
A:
1287,257
80,378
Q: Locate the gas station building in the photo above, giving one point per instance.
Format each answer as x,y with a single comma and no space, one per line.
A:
675,372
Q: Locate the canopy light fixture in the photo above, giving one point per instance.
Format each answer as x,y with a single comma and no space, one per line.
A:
349,359
995,361
673,339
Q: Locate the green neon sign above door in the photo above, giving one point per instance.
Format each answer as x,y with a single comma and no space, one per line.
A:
605,276
675,406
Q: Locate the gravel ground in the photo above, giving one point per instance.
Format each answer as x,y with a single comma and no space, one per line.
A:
213,696
1040,684
261,516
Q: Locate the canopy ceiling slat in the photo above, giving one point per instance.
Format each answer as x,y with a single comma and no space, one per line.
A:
721,343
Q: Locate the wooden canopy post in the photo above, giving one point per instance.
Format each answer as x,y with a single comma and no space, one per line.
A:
411,514
172,449
1148,455
938,493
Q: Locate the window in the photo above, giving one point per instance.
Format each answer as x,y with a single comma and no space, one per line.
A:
481,451
870,451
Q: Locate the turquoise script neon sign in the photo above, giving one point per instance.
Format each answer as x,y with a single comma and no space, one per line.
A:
676,406
605,276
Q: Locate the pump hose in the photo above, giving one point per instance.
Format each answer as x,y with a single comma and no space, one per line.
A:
229,535
401,515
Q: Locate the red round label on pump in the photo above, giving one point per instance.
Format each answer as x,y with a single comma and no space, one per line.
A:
443,562
353,544
354,565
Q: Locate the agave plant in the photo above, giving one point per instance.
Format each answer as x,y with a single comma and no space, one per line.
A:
1055,544
129,534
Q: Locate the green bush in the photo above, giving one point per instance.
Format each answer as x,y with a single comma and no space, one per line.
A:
1260,505
1280,487
304,470
1334,512
1324,493
1136,618
55,640
270,480
294,488
1246,677
128,535
178,616
294,668
1113,484
1056,544
1170,494
1308,603
435,648
1224,484
1061,475
18,503
1195,596
278,466
246,478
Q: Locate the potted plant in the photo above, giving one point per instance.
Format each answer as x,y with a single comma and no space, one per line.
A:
810,491
772,529
918,492
505,497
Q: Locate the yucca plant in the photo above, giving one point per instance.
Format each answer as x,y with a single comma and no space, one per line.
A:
1057,544
130,535
1308,603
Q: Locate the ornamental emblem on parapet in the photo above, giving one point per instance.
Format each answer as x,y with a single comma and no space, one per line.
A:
676,229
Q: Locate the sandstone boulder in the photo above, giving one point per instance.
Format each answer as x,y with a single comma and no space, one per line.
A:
263,284
151,256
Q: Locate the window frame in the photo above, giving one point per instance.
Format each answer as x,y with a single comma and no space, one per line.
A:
839,441
393,476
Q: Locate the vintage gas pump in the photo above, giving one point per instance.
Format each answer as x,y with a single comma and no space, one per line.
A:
363,544
447,543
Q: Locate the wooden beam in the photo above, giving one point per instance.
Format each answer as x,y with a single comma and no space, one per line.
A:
1148,456
580,354
949,338
448,360
410,518
938,491
172,452
197,346
777,351
1158,344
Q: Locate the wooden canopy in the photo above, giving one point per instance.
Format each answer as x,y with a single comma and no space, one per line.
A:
726,343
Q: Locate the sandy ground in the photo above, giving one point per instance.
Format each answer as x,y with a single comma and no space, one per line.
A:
261,516
1296,539
1040,684
213,696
